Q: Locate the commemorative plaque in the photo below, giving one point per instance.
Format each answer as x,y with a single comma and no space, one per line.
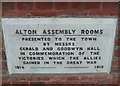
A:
59,45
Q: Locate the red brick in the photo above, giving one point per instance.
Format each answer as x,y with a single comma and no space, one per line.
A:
28,13
70,9
115,66
0,12
119,8
8,6
92,9
110,8
15,83
115,63
72,78
1,43
117,41
117,53
92,6
37,84
1,62
9,13
110,82
44,13
92,13
38,78
117,58
44,6
5,83
118,28
19,83
24,5
76,5
81,80
61,5
115,81
110,5
1,52
87,80
4,67
24,13
2,55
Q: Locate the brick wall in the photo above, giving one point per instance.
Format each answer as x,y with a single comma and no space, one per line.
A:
61,9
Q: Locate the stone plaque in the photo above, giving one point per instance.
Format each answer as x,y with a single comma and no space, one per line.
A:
59,45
